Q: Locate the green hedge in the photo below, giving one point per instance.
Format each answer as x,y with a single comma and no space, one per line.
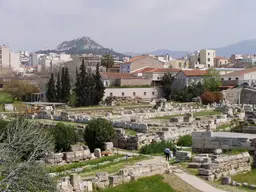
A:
185,141
154,148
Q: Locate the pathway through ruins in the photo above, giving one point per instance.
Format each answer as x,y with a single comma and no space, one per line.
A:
197,183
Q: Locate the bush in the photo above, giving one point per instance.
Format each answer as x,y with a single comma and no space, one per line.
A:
156,147
64,137
185,141
98,132
211,97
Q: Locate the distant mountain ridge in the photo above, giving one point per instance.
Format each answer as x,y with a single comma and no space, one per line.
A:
242,47
83,45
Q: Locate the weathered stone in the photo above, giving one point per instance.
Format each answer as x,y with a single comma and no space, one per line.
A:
102,176
252,187
226,181
217,151
97,153
245,184
108,145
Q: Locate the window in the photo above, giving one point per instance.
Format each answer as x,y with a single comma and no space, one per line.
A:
209,59
145,93
134,94
122,93
209,65
229,78
158,78
111,94
208,53
179,64
237,78
220,62
153,93
222,79
225,62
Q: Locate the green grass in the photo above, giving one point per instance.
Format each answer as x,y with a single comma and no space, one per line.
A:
235,151
130,132
112,167
60,168
249,177
223,127
5,97
126,106
196,114
129,86
156,148
147,184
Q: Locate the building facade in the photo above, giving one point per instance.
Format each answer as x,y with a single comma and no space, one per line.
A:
207,57
4,57
179,64
188,77
220,61
139,62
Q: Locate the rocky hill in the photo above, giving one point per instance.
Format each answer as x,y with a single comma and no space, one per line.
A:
83,45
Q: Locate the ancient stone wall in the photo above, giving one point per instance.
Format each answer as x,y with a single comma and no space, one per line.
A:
104,180
204,142
225,165
232,96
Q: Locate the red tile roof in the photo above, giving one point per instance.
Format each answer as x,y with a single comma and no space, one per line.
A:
112,75
135,59
196,72
240,72
219,57
156,70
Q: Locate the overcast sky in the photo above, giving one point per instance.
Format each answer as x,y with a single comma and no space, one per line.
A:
127,25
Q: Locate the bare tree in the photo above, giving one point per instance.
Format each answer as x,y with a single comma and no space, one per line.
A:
22,143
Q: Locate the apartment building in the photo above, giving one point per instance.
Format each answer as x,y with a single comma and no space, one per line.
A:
220,61
204,58
179,64
4,57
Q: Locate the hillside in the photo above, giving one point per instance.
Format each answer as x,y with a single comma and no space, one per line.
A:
243,47
83,45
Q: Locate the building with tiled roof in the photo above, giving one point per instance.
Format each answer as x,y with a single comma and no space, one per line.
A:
184,78
219,61
111,79
239,77
139,62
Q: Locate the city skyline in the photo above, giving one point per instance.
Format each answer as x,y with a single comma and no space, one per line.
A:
137,26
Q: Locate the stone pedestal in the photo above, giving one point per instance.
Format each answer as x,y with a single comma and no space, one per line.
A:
97,153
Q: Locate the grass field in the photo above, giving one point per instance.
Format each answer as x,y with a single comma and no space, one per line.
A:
223,127
196,114
130,132
249,177
60,168
5,97
147,184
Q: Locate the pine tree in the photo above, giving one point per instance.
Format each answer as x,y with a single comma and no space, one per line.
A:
68,85
58,89
51,91
99,87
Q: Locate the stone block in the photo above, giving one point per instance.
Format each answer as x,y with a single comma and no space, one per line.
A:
102,176
69,157
194,165
108,145
226,181
217,151
97,153
245,185
253,187
115,180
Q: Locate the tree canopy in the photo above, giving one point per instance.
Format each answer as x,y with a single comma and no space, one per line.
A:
212,81
107,61
167,85
19,89
98,132
22,143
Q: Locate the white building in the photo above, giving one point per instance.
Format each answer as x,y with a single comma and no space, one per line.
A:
15,61
202,59
4,57
9,59
47,63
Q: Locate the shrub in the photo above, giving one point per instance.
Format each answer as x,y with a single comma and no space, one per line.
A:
98,132
64,137
211,97
185,141
156,147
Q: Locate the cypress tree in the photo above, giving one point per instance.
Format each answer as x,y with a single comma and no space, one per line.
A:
81,86
51,90
67,85
63,84
77,89
99,87
58,89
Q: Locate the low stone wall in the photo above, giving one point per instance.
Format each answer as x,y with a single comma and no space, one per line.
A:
225,165
104,180
207,142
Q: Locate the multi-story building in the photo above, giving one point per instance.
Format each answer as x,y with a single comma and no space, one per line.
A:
220,61
207,57
202,59
15,61
4,57
139,62
91,60
187,77
179,64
